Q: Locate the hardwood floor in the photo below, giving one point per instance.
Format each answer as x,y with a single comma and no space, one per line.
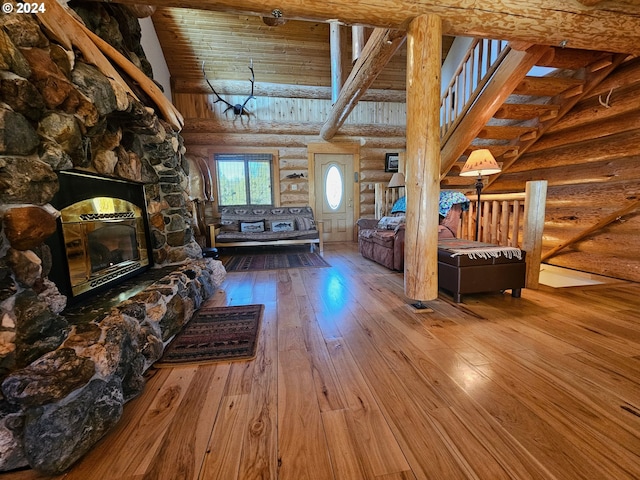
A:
351,383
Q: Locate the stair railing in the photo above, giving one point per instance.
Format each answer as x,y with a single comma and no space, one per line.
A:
511,220
475,70
501,217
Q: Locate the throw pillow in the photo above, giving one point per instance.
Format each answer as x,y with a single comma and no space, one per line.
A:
390,223
305,223
282,226
230,226
252,227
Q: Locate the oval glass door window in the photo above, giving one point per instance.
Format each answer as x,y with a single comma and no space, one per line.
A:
333,187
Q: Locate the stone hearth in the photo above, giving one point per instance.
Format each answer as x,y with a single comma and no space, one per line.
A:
65,373
68,398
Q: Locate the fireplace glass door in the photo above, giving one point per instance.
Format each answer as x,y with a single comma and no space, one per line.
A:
103,240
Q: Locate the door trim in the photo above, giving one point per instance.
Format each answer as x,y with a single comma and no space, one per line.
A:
350,148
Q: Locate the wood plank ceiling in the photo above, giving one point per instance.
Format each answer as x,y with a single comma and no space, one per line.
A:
296,53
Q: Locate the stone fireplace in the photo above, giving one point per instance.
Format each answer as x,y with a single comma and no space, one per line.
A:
77,329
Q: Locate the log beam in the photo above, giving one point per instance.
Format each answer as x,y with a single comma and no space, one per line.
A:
192,140
626,144
422,164
277,90
376,54
200,125
599,109
610,27
626,210
590,131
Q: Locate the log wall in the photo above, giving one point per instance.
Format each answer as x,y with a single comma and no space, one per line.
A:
289,125
591,159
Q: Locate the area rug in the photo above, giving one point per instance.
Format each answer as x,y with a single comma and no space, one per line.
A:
216,334
273,261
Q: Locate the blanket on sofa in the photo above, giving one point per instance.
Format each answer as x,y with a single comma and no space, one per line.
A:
475,250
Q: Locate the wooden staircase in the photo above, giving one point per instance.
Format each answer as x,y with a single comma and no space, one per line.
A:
515,105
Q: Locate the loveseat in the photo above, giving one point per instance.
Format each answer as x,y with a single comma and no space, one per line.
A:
383,240
257,226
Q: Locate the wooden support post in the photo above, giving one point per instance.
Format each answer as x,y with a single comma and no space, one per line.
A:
357,42
336,60
534,212
422,164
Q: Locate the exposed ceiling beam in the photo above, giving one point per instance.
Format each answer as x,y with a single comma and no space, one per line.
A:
607,26
380,47
265,89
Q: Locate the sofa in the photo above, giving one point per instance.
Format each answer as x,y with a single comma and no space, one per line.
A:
258,226
383,240
381,245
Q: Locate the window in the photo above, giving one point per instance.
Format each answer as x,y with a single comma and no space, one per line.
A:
244,178
333,187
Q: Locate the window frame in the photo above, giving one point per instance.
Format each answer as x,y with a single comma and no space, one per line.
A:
275,169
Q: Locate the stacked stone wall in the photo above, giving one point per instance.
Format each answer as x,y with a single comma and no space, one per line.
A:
63,385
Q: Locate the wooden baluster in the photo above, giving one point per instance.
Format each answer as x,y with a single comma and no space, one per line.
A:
495,212
504,224
515,225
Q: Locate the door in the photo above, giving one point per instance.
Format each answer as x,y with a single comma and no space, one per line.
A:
334,202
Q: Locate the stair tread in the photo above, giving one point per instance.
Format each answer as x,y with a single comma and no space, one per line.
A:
546,86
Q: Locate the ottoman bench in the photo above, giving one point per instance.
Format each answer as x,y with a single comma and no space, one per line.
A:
465,266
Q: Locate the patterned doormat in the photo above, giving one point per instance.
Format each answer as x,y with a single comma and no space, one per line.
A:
273,261
216,334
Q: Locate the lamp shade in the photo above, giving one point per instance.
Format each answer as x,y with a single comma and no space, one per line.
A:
397,180
480,162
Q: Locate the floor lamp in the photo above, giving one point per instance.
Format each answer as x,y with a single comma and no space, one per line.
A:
479,163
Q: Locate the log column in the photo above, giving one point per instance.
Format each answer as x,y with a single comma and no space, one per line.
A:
422,164
336,60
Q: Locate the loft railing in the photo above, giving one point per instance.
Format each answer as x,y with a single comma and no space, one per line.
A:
476,68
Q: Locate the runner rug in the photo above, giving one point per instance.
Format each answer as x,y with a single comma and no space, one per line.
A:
215,334
273,261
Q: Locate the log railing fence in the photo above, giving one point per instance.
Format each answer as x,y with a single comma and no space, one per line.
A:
385,197
512,220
